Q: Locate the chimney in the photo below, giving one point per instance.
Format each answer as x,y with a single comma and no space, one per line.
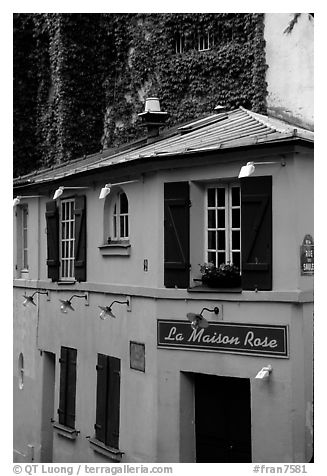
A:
152,117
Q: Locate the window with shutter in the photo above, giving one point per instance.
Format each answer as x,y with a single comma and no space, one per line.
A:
67,396
22,240
238,232
176,234
256,219
108,400
66,239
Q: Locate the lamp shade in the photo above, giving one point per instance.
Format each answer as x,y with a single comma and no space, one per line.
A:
106,312
197,320
58,193
104,191
28,300
247,170
65,305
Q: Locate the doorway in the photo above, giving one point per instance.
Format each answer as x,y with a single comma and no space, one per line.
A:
48,393
222,419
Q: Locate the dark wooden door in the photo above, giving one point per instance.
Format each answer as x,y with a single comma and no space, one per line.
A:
222,419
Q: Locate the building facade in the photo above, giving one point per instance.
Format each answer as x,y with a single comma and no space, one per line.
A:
128,345
93,384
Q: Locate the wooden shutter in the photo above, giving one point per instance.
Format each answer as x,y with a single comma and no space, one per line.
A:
256,223
102,398
67,395
52,221
63,385
176,235
112,437
80,238
71,388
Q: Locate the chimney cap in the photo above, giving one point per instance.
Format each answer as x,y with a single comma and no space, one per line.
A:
152,105
152,114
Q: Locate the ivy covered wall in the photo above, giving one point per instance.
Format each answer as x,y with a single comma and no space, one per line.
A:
81,79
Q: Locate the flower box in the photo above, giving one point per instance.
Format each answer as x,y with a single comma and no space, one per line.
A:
226,276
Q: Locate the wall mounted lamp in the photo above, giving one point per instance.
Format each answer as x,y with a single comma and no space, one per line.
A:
106,310
197,320
264,373
29,299
61,189
19,197
249,168
106,189
66,304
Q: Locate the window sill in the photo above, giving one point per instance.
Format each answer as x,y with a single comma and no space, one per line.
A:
205,289
65,431
68,281
115,249
111,453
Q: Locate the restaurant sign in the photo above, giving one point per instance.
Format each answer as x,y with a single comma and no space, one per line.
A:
251,339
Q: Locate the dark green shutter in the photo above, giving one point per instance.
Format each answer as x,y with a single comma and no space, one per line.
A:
63,385
80,238
52,221
102,398
256,223
112,438
176,235
71,388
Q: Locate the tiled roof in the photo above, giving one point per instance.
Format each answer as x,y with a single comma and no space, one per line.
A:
234,129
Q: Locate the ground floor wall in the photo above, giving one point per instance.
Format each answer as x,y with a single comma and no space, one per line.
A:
157,403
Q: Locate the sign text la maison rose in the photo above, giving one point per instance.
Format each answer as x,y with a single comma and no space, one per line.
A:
254,339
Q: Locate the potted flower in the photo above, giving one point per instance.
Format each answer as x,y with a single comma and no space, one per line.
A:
225,276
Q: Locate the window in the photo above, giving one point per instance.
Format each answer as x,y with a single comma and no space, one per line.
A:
22,240
67,397
120,218
179,44
223,224
66,239
205,42
108,400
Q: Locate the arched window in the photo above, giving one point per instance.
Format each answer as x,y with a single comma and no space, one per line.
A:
116,217
120,217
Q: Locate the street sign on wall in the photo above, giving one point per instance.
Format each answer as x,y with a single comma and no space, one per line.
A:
251,339
307,256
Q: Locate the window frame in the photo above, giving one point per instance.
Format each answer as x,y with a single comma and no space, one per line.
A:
70,258
228,207
120,220
205,39
180,43
22,240
24,237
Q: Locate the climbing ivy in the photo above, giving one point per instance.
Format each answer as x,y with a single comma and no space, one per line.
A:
83,78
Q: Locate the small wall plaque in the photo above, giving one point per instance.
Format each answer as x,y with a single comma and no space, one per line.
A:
137,356
307,256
